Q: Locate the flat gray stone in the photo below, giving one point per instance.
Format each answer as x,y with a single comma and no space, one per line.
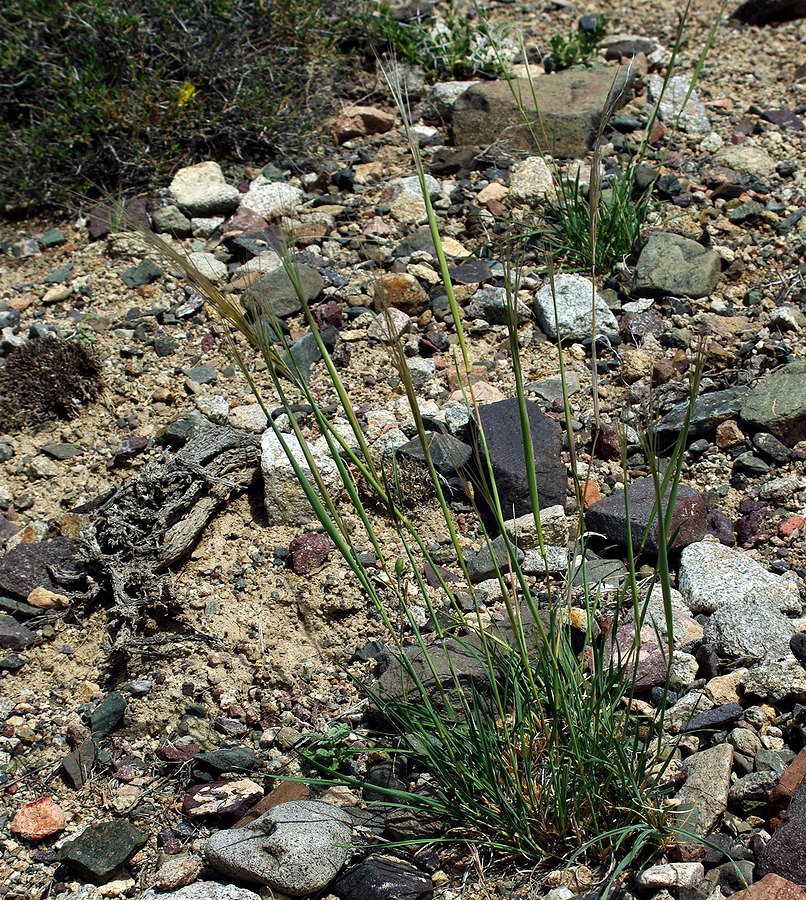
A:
570,104
692,117
775,680
297,847
271,198
203,890
704,796
777,404
275,291
709,411
712,575
574,315
673,265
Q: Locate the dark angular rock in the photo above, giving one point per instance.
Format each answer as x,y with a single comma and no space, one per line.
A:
383,878
183,428
227,759
713,719
502,430
785,853
709,411
102,848
145,273
720,525
771,447
202,374
475,271
226,798
448,453
79,764
108,714
763,12
15,637
797,644
672,264
607,516
29,566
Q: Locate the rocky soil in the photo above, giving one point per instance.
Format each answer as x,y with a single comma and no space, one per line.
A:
133,742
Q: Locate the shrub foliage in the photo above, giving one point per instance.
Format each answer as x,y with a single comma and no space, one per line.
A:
104,93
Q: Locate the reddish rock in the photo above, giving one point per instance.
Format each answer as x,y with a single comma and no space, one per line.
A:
785,853
285,792
360,121
728,434
590,494
789,526
244,221
308,552
788,783
177,872
608,442
38,820
221,798
772,887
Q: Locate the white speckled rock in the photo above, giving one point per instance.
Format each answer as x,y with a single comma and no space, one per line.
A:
574,319
749,626
712,574
203,890
286,503
201,190
530,180
297,847
679,875
209,266
270,198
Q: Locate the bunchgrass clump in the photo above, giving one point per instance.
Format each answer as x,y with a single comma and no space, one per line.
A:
578,49
520,736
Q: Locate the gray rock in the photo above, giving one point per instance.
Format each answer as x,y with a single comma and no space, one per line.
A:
752,790
442,98
704,796
748,626
777,404
709,411
490,303
296,847
171,220
607,516
483,564
570,104
551,388
275,291
203,890
690,117
671,875
776,680
530,180
102,848
201,190
144,273
555,562
208,265
745,158
712,575
553,525
673,265
574,318
448,453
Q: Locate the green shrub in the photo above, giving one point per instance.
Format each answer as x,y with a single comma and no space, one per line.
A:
575,50
107,94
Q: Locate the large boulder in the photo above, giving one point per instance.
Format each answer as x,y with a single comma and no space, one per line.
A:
673,265
777,404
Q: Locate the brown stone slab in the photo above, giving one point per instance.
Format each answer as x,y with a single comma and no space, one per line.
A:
564,118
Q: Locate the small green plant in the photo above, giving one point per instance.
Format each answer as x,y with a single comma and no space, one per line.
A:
328,750
448,46
578,49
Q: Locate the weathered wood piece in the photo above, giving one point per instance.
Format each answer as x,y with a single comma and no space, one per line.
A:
149,524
